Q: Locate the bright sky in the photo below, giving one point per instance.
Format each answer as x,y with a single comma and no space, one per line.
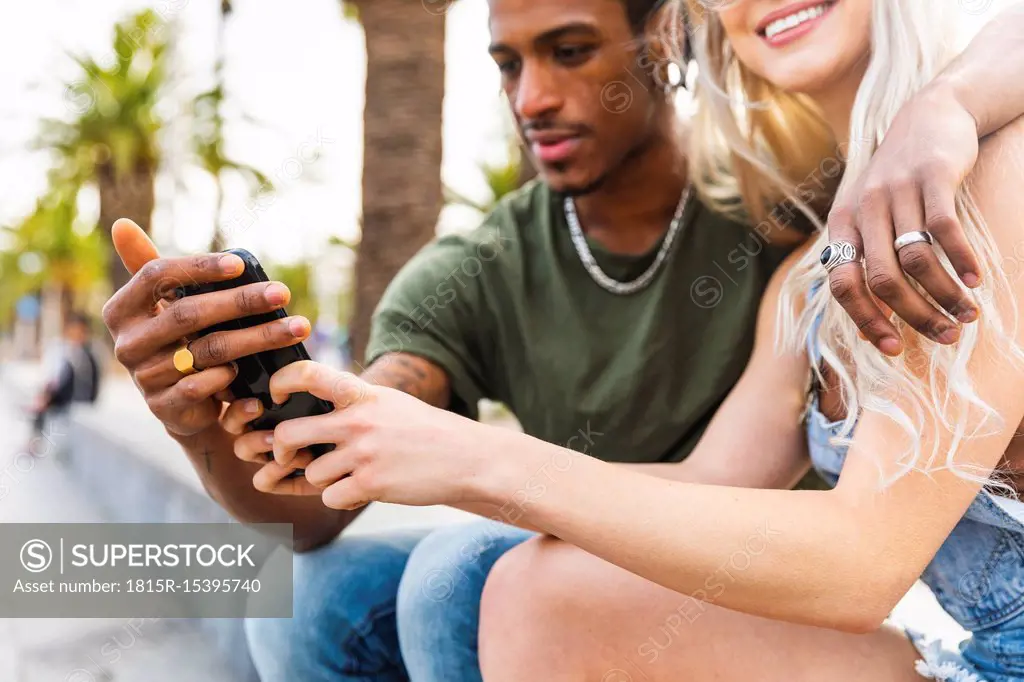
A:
298,68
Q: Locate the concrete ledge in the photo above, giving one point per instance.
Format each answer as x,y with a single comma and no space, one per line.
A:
130,472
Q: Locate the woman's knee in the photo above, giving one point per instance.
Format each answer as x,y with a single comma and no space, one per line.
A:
531,611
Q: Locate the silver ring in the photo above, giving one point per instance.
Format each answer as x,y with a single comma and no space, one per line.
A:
909,238
838,253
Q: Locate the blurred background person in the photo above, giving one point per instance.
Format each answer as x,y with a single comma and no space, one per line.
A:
73,376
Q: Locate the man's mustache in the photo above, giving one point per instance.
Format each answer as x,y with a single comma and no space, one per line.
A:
569,129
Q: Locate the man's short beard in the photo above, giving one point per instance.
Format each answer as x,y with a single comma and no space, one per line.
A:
583,190
595,185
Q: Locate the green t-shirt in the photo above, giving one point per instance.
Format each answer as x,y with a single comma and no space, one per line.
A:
510,313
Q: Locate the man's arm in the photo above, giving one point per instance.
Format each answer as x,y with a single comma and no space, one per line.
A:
413,375
930,148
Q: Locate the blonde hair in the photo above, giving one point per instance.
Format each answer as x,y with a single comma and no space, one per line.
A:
754,147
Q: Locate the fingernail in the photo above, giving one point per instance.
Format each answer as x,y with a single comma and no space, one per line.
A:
949,336
268,439
230,264
890,346
276,294
252,407
298,326
234,366
967,315
971,280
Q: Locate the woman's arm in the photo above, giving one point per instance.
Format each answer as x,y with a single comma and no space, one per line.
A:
841,558
769,451
994,97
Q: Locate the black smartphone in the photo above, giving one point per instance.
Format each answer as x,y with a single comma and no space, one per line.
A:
254,371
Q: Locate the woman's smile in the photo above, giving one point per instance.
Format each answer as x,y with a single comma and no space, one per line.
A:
818,48
791,23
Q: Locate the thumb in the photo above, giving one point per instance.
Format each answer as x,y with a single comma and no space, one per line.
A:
132,244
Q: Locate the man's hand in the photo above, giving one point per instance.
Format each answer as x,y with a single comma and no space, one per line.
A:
257,447
148,325
910,185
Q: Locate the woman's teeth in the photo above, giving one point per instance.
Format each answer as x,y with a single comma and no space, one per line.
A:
794,20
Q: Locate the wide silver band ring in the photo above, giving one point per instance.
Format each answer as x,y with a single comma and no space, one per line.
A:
916,237
838,253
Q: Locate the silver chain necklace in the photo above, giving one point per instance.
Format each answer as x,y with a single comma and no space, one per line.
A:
598,275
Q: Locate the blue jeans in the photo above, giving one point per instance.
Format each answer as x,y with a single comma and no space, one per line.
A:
389,608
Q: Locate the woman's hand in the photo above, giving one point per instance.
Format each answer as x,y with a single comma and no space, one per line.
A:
910,185
389,446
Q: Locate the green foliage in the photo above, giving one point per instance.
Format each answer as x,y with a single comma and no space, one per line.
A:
501,179
113,106
208,141
111,126
208,150
298,279
207,138
70,257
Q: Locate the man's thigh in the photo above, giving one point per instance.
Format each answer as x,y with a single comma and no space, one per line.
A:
439,598
343,627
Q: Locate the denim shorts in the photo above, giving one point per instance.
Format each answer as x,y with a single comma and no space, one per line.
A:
942,663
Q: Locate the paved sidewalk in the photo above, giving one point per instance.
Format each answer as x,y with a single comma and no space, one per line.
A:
36,490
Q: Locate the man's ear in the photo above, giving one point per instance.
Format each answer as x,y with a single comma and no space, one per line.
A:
658,55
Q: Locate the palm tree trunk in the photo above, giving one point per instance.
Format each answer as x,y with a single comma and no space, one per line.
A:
402,194
128,194
218,242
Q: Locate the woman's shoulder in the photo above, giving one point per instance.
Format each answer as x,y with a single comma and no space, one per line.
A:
781,292
788,266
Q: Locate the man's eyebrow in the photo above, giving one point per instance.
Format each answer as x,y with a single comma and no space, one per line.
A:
552,35
576,27
495,48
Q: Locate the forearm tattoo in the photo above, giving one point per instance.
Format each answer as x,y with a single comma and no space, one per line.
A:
413,375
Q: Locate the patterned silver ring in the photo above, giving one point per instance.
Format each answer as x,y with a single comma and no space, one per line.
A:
838,253
917,237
